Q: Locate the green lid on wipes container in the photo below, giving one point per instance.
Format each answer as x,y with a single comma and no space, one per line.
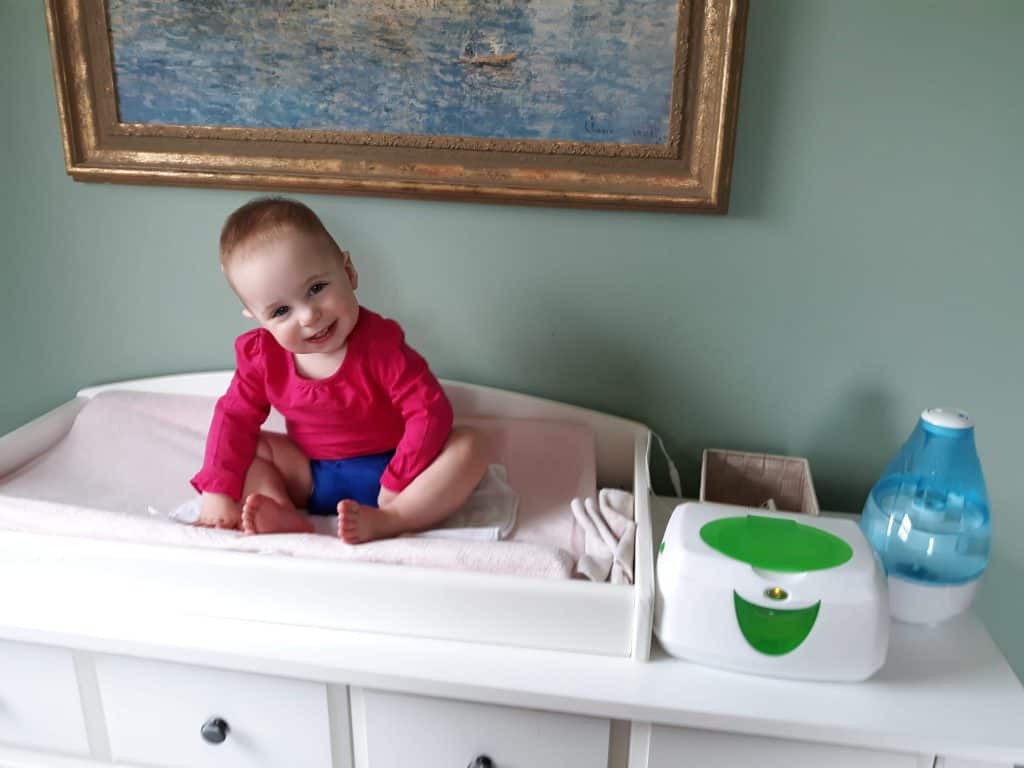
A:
775,544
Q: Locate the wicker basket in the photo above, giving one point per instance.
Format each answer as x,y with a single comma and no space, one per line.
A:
751,479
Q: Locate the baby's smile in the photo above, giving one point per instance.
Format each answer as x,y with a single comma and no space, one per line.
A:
324,334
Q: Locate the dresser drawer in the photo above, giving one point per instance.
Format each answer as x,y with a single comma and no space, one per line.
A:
676,747
391,730
156,713
39,702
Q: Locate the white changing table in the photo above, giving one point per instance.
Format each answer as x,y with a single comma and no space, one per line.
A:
136,690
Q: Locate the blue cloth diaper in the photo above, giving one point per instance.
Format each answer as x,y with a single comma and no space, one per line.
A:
357,478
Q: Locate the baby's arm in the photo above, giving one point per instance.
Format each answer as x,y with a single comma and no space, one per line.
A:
233,437
425,410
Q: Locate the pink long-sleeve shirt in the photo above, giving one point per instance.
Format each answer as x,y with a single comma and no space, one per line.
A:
383,397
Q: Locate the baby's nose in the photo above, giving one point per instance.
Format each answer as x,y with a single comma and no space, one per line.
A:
310,315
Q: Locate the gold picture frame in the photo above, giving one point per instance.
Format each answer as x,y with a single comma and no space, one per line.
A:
688,169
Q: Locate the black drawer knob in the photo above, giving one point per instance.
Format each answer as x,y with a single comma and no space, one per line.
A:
481,761
215,730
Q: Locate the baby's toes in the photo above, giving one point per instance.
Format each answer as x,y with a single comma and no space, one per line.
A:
248,520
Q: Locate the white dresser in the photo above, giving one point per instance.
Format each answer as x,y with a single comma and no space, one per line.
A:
88,690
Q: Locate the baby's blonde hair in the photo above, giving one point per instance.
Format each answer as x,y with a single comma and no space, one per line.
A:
267,217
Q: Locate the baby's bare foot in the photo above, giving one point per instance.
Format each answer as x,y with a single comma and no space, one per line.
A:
358,523
262,514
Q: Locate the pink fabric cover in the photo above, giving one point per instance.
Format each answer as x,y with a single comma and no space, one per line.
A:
127,461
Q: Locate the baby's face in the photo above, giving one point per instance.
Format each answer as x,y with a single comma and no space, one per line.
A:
297,287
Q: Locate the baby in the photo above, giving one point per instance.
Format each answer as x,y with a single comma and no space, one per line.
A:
369,429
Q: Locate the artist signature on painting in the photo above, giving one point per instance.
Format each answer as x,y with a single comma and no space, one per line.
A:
602,126
648,132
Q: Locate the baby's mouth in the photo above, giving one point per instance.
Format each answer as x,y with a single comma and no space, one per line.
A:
322,334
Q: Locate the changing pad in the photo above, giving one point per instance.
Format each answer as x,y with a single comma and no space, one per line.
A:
125,465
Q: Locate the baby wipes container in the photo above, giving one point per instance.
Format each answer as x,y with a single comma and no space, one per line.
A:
770,593
928,518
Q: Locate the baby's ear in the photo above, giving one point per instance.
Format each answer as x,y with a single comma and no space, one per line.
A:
350,270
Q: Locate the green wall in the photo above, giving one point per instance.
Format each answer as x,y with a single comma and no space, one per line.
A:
870,265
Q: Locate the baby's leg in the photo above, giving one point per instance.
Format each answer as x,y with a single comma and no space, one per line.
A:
277,482
437,492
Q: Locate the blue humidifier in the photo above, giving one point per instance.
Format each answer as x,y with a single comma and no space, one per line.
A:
928,519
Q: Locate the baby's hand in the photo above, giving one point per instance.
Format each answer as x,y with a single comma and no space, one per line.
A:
385,497
219,511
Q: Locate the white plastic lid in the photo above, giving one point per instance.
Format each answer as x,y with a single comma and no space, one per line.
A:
950,418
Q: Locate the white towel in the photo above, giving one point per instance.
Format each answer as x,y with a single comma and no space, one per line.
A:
502,557
489,514
610,536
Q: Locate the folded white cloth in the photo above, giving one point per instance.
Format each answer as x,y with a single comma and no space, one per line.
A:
610,535
489,514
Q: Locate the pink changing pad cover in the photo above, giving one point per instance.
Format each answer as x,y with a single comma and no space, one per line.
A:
126,462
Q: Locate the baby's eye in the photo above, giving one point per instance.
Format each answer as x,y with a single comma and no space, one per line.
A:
315,288
279,312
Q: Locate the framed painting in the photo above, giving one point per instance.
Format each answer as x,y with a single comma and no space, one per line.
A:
598,103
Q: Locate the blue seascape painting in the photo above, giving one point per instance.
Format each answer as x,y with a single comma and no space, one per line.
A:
555,70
